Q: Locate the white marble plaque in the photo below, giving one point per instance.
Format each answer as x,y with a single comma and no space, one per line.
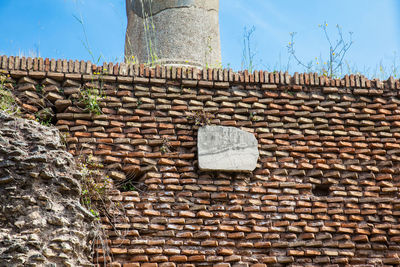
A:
223,148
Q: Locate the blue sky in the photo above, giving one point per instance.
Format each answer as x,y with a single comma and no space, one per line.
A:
48,28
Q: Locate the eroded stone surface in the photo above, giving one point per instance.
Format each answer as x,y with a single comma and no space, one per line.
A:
171,32
226,149
41,220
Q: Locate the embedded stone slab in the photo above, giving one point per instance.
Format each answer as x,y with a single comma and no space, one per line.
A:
222,148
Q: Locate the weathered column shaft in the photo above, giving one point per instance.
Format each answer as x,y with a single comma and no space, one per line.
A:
173,32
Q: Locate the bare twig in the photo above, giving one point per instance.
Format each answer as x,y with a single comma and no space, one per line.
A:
337,52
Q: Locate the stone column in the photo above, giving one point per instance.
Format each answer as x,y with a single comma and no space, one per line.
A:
173,32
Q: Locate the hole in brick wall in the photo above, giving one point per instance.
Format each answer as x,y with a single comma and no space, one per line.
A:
134,179
25,187
131,181
321,189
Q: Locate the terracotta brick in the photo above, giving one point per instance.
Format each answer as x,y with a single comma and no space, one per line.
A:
205,214
295,252
110,159
209,243
136,251
164,161
196,258
82,134
310,252
159,258
224,251
265,244
236,235
118,250
269,259
105,140
178,258
139,258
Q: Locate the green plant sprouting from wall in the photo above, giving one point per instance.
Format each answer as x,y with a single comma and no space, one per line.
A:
96,191
11,105
85,42
93,189
8,103
92,95
91,98
44,117
131,59
208,52
93,197
333,66
130,183
149,35
207,55
166,146
253,116
201,117
383,71
248,54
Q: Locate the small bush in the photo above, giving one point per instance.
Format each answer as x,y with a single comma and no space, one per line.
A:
7,100
201,118
91,98
96,198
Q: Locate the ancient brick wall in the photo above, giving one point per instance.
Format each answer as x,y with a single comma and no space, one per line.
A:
325,190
